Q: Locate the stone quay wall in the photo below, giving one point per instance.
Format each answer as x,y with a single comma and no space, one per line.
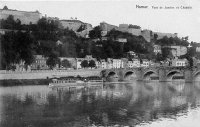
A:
44,74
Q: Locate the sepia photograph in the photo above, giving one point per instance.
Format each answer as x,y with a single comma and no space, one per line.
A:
100,63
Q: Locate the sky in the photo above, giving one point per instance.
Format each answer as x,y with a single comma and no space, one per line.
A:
185,22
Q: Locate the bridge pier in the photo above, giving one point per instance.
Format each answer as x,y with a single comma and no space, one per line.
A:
188,74
121,75
139,74
162,75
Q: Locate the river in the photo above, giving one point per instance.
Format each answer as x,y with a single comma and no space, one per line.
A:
140,104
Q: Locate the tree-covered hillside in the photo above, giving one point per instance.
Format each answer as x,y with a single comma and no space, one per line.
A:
49,38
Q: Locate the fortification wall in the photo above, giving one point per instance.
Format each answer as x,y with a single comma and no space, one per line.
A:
23,16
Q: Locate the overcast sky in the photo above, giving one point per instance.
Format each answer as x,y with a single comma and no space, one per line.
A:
185,22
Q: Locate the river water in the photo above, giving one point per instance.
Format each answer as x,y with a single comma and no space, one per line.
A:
140,104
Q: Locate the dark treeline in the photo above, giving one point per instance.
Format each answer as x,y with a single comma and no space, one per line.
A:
165,41
113,49
21,42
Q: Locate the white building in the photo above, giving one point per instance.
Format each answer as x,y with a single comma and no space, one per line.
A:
98,64
123,40
134,63
109,63
130,64
179,62
197,49
117,63
78,63
103,64
177,50
145,63
157,49
39,63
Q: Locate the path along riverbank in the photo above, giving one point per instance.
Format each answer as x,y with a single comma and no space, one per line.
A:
41,77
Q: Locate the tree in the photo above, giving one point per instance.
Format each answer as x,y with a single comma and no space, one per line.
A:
173,41
5,8
84,63
159,57
9,23
155,36
134,26
190,60
16,46
65,63
166,53
189,56
81,28
52,61
95,33
92,63
109,52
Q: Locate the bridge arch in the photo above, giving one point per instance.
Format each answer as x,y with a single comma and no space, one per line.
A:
103,73
129,75
111,73
171,74
148,73
112,76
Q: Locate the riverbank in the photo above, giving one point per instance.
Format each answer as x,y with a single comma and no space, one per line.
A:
45,74
17,82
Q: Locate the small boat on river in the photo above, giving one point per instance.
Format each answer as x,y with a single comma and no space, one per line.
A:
76,82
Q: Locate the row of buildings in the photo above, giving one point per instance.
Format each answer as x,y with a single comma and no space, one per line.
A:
40,63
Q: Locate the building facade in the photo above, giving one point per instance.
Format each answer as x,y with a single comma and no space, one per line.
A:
103,64
145,63
157,49
39,63
179,62
123,40
117,63
133,63
177,50
197,49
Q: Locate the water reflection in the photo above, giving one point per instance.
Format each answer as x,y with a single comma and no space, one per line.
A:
131,104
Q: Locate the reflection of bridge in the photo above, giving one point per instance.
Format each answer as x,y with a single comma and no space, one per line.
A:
153,73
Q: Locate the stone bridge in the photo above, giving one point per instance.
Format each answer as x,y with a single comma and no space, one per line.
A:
152,73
